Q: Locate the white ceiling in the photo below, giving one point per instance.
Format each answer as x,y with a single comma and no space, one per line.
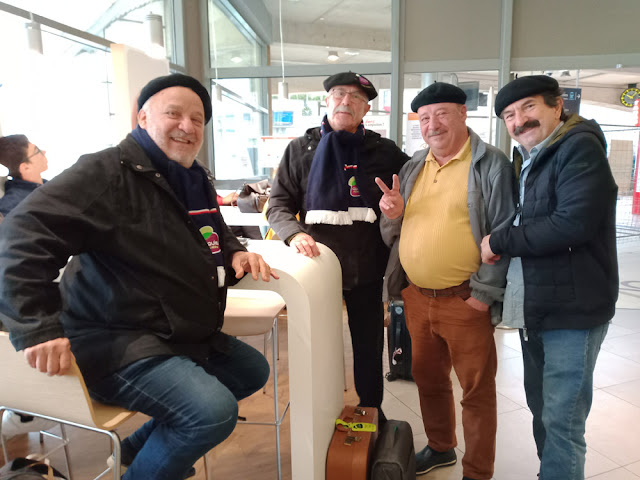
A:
312,28
374,14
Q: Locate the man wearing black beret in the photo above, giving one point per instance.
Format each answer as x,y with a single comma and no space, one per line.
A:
441,205
141,304
563,274
327,177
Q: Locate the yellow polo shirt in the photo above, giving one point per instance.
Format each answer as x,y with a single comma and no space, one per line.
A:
437,249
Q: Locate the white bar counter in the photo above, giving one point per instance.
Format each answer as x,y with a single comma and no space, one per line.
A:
312,290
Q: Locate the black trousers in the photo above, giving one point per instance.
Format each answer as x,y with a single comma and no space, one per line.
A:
366,323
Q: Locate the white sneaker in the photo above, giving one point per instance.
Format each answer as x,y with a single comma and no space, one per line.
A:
13,424
111,462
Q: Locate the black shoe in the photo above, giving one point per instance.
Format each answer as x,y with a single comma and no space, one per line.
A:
427,459
468,478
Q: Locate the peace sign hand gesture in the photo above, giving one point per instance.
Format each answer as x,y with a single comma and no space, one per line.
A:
391,203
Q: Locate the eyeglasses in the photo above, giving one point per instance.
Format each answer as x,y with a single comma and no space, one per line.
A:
339,94
37,152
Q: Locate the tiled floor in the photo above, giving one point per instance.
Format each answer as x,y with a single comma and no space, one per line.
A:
613,428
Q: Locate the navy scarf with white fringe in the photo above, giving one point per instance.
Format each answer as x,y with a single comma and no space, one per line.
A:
332,191
192,188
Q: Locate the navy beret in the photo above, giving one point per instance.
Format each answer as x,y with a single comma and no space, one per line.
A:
439,92
176,80
524,87
350,78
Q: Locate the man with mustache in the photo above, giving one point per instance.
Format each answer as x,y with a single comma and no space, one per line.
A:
140,306
441,205
562,282
327,176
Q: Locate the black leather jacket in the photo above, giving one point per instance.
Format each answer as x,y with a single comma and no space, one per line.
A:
142,281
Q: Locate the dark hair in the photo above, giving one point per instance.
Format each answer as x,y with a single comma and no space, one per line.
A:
13,152
551,100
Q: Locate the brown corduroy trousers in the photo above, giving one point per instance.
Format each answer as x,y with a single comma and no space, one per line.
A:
447,332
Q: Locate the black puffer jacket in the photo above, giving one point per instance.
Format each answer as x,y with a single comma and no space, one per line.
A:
567,235
142,281
359,247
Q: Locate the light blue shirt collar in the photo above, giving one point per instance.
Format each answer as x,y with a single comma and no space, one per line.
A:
535,150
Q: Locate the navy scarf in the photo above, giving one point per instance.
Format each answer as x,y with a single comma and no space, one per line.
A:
332,191
192,188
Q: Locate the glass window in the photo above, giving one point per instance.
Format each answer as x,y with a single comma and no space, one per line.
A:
313,33
238,122
120,22
232,42
321,33
253,125
477,85
131,29
79,14
60,100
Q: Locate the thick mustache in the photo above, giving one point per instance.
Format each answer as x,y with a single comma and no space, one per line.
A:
433,133
343,108
526,126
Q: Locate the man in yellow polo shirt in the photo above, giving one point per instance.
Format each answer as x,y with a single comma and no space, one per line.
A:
441,205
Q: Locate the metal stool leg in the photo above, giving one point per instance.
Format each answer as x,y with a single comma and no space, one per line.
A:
3,440
206,467
274,356
67,457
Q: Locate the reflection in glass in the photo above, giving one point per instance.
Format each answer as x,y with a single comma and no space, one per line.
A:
253,125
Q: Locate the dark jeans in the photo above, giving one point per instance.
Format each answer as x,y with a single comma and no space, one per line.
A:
558,380
366,323
194,407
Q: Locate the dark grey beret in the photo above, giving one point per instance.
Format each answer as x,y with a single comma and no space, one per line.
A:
176,80
524,87
439,92
350,78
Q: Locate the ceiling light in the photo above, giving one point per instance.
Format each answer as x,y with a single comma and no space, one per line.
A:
155,35
283,90
236,59
34,37
351,52
333,56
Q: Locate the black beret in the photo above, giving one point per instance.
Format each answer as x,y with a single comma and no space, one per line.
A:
524,87
439,92
176,80
350,78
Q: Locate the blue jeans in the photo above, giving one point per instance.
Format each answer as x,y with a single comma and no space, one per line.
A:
558,381
194,407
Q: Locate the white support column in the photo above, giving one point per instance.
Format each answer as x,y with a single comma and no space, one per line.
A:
312,290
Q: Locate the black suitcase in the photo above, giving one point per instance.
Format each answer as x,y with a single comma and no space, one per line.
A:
399,343
394,457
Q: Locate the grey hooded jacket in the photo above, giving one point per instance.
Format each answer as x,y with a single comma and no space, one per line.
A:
491,200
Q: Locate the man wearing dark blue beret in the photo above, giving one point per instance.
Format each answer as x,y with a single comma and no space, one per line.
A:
327,177
140,306
562,282
441,205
